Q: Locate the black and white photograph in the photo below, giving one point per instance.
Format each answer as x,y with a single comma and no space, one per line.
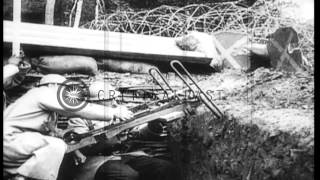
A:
158,90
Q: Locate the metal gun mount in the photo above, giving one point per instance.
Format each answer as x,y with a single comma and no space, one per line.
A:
202,96
165,82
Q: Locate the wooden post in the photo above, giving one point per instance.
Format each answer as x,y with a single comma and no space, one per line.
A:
78,14
16,21
49,16
96,11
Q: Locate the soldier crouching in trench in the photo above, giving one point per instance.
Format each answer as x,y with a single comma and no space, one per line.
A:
96,162
29,152
14,72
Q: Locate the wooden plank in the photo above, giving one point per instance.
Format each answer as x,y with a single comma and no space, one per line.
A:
108,44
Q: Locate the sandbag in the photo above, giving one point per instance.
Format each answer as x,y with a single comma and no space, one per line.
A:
65,64
203,42
198,41
124,66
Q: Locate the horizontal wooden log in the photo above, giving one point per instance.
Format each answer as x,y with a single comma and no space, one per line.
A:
66,40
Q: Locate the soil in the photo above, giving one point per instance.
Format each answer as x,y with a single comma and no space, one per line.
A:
270,115
268,131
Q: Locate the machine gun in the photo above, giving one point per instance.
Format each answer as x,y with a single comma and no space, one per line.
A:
173,110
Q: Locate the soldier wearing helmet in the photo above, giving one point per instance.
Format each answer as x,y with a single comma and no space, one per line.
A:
28,149
97,162
14,72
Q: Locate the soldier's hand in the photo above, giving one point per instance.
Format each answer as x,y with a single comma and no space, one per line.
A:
123,113
56,132
79,158
24,66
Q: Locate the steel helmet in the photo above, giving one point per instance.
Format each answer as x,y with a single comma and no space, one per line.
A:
101,90
52,79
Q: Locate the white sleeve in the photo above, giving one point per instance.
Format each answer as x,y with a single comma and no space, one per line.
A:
79,125
9,70
48,100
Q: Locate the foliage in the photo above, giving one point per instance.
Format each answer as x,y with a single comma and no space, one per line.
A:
229,150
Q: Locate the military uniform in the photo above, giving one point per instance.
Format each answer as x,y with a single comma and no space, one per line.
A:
130,166
27,148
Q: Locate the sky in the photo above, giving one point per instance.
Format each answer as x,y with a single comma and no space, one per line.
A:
304,10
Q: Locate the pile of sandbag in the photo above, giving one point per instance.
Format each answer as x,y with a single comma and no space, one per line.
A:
85,65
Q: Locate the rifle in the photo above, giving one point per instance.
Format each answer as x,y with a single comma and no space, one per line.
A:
177,109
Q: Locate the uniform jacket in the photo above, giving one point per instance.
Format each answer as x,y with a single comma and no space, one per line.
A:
28,150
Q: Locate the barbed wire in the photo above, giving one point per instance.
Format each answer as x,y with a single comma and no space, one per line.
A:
259,20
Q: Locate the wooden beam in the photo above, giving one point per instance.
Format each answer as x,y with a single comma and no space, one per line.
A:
67,40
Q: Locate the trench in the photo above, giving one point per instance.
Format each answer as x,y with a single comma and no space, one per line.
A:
236,147
267,132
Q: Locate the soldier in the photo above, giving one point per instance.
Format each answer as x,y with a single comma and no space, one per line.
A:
13,74
28,150
98,161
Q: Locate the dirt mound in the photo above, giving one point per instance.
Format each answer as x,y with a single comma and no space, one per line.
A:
268,133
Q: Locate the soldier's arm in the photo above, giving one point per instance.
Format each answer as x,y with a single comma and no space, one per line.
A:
48,101
18,76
